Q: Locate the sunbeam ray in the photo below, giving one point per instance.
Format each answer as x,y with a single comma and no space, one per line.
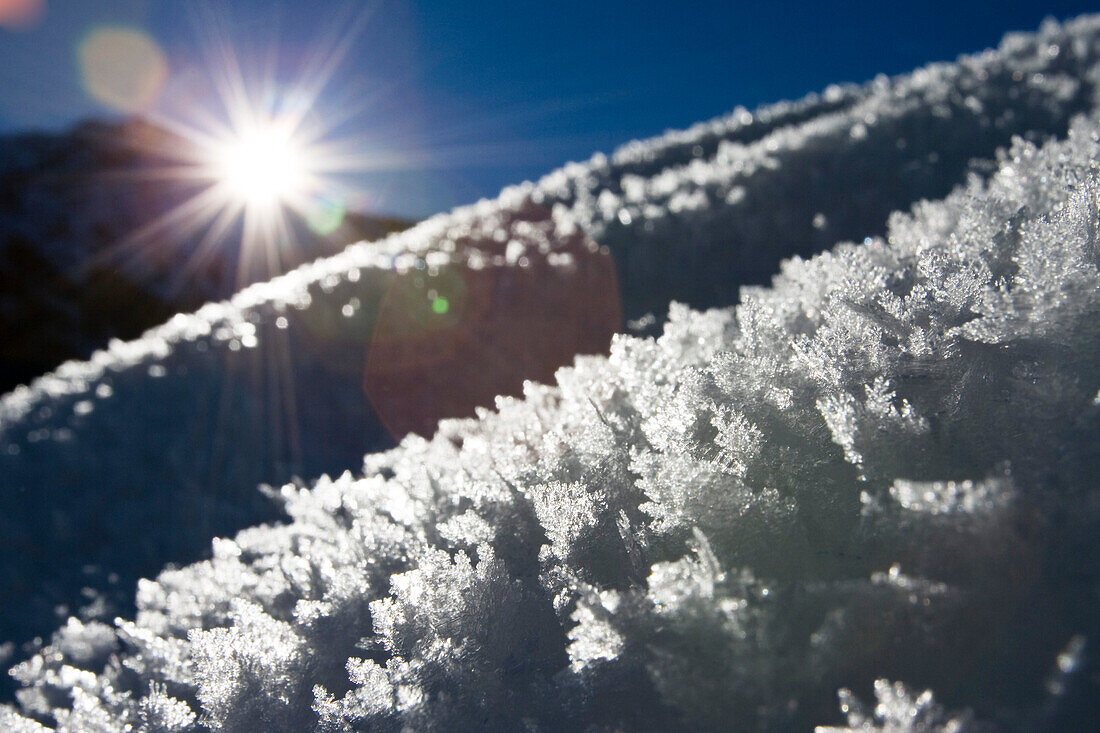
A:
259,154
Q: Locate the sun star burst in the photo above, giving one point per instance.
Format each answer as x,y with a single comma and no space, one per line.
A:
264,166
256,162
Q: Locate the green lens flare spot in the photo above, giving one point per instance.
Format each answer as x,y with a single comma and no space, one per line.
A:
325,217
440,305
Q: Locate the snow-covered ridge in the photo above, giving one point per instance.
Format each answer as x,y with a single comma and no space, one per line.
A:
881,466
699,182
93,247
691,216
754,433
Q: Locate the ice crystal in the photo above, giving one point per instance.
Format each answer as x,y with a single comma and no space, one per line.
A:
879,467
898,710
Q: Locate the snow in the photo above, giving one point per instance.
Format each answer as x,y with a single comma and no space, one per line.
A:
879,467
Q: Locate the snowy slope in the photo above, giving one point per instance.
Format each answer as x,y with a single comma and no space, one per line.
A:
816,437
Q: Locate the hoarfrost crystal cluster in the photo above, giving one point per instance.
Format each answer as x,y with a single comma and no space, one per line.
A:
876,476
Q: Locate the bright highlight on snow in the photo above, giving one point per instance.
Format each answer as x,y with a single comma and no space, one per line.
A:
264,166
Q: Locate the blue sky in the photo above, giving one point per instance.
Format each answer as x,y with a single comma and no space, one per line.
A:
457,99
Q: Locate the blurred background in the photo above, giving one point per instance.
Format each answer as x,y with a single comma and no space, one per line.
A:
455,100
156,155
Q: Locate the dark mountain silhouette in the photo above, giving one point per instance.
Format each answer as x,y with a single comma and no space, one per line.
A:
75,268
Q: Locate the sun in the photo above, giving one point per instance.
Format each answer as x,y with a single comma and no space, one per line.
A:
259,170
263,167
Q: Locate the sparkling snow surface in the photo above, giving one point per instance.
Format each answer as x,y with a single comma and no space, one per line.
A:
881,467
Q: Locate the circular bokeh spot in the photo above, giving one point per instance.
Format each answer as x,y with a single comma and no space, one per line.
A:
325,216
528,298
122,68
20,14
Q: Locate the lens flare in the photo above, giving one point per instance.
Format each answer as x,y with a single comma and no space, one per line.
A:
447,340
253,155
326,215
122,68
20,14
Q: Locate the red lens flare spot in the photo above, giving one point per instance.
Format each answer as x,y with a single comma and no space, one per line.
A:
20,14
450,340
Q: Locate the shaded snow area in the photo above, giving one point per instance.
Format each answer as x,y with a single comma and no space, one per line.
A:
864,497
